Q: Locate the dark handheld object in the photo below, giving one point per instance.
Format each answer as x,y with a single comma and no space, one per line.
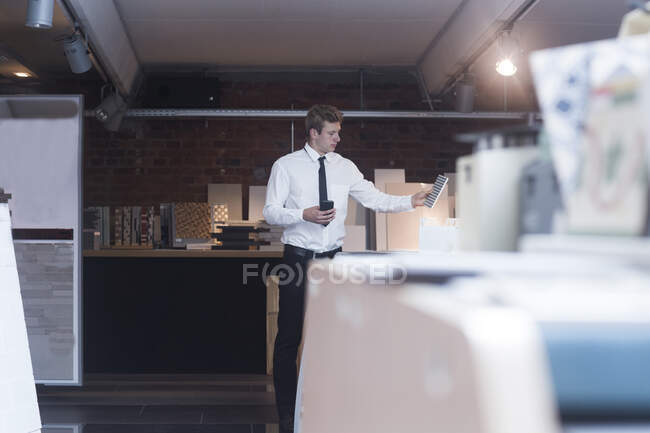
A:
326,205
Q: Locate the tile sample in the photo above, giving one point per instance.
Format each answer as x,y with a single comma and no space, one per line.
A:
192,220
403,228
229,194
46,275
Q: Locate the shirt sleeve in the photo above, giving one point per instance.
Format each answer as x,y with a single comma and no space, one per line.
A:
277,192
369,196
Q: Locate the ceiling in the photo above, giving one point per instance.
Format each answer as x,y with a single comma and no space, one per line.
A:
36,48
143,35
283,32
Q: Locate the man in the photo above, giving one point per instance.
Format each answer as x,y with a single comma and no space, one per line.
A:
299,183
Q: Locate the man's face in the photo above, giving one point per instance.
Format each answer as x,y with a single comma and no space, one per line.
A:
328,138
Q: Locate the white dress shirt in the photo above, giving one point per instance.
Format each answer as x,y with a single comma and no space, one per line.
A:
293,187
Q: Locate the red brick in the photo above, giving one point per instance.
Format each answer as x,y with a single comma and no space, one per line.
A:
158,160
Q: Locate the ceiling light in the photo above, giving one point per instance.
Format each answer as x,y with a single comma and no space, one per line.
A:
76,53
22,74
506,68
508,53
39,14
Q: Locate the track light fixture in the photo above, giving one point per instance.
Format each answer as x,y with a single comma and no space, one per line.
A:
508,49
111,111
39,14
76,53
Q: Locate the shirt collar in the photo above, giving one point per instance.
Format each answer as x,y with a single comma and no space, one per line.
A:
313,155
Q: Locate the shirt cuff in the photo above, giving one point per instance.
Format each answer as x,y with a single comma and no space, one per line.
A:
408,203
298,214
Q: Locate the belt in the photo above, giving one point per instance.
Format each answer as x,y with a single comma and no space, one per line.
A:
304,252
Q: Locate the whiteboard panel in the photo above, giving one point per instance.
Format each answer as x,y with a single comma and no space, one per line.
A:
40,166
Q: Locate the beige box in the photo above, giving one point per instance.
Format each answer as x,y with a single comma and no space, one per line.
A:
403,229
382,177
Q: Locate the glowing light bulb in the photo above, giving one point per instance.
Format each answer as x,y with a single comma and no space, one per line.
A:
506,68
22,74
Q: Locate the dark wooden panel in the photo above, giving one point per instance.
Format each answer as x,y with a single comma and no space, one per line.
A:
172,315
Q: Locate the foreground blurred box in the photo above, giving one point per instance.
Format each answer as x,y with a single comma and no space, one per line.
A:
480,343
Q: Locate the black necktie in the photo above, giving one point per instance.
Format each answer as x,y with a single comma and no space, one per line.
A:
322,180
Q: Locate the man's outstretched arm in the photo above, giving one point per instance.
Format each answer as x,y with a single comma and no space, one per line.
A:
369,196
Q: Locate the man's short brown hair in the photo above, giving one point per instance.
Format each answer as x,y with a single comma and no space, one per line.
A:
319,114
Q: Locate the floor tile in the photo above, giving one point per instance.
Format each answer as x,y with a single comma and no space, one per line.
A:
240,414
90,414
171,415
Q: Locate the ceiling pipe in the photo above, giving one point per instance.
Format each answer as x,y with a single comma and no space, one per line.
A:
171,113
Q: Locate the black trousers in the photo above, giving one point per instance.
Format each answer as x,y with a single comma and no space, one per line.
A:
290,320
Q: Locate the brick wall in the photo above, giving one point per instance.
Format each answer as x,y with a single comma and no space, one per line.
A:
158,160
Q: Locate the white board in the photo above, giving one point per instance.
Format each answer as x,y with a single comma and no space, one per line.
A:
40,162
40,165
256,200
